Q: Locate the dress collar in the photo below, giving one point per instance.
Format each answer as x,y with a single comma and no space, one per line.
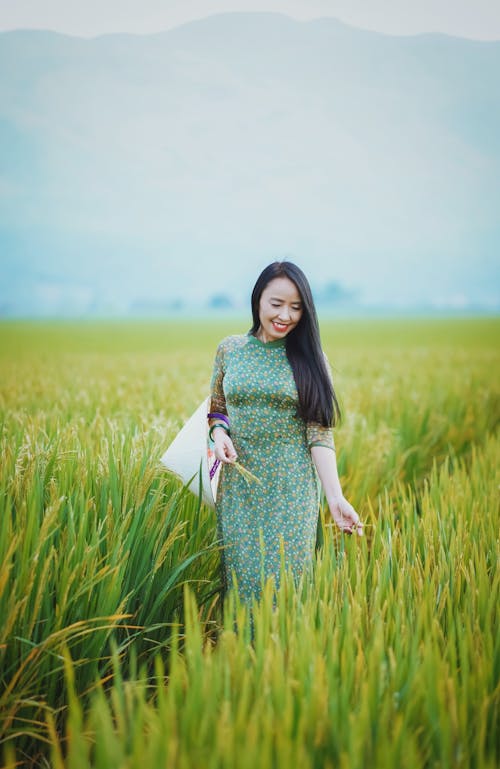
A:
274,343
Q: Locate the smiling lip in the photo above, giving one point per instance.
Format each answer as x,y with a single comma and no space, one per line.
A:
280,326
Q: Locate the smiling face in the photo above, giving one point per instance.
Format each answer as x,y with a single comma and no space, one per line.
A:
280,309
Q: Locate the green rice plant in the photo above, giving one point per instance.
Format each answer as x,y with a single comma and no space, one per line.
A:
85,562
97,545
386,655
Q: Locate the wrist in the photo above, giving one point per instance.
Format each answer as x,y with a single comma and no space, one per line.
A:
214,427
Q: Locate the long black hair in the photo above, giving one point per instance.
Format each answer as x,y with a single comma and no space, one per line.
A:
317,399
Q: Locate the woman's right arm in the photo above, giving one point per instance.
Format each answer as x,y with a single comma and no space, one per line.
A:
223,446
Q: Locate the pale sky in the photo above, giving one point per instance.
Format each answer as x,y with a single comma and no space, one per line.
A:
477,19
108,208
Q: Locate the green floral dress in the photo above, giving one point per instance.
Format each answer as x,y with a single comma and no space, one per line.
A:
274,522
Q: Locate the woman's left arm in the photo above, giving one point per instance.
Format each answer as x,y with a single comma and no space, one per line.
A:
341,510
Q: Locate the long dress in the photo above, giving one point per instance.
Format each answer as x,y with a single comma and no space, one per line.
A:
267,525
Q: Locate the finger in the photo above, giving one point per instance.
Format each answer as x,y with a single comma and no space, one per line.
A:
224,455
354,526
346,526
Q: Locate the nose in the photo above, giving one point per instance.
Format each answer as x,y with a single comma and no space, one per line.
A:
284,314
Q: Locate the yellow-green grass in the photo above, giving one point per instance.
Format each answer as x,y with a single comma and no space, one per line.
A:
389,654
389,658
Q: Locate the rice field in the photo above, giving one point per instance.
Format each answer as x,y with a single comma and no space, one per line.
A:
116,648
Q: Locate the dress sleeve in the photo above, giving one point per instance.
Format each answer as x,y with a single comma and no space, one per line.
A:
218,402
316,434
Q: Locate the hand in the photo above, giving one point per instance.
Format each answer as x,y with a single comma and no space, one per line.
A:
345,516
223,447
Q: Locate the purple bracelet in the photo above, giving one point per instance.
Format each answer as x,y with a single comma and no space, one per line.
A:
215,415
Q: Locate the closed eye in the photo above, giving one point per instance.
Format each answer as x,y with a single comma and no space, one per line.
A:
295,307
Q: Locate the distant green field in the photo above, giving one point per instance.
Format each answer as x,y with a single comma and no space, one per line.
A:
114,649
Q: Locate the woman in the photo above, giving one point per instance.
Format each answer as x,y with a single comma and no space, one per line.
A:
273,407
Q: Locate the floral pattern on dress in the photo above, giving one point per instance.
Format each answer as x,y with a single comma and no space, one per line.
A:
264,526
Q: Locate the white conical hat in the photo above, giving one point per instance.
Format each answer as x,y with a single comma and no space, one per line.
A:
188,455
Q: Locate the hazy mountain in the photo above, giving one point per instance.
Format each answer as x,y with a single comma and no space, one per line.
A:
170,167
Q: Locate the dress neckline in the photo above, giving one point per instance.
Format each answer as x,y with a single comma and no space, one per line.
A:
274,343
